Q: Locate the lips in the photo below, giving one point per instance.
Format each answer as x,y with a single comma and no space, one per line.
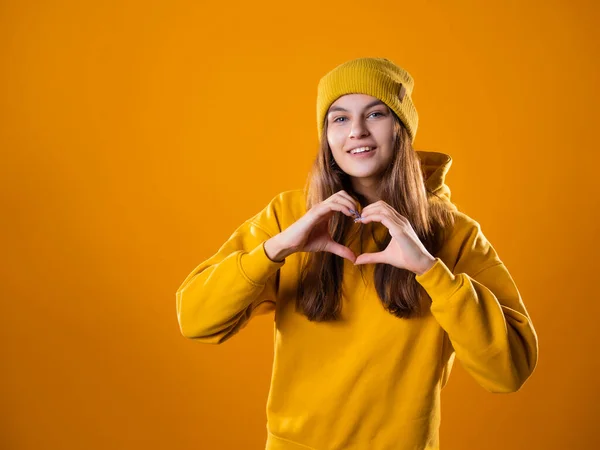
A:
373,148
363,155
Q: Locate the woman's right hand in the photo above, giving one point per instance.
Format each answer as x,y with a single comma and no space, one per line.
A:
310,233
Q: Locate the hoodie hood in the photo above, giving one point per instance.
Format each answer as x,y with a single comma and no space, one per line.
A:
435,166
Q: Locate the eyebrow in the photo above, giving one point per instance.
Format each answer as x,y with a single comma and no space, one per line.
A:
339,108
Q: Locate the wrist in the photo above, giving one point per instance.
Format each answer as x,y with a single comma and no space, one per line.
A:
427,264
275,250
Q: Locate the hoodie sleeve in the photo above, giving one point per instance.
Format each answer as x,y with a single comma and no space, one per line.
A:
220,296
481,310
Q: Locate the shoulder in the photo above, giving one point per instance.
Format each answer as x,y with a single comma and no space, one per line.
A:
463,223
281,211
293,201
290,196
467,246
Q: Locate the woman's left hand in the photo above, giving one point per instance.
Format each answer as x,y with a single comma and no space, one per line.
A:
405,250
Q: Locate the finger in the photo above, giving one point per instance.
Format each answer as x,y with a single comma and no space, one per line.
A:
374,217
378,205
340,250
326,207
383,208
354,204
369,258
350,207
348,196
346,205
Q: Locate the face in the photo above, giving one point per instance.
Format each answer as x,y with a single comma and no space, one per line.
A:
359,120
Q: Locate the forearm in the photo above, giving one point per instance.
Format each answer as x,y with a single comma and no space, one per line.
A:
487,324
276,250
219,295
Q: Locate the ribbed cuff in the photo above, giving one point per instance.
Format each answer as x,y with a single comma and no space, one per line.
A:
256,265
439,282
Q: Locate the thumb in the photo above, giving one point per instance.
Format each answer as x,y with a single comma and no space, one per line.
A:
369,258
340,250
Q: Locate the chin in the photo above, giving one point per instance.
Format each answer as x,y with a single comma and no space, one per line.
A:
362,173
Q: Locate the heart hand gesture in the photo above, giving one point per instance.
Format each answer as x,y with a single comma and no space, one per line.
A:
310,233
405,250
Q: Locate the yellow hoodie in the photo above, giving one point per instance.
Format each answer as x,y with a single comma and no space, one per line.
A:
370,381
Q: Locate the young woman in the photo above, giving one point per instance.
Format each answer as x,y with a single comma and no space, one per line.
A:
375,279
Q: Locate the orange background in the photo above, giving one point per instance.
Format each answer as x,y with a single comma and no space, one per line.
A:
136,136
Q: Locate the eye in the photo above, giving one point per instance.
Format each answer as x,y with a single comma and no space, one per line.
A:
343,117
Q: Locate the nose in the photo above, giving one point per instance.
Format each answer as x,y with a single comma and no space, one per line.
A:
358,129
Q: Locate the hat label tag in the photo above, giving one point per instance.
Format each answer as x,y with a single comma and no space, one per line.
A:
402,93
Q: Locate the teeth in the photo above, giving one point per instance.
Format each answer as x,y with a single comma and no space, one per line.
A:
361,149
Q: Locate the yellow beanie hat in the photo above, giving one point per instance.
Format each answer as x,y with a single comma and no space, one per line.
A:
378,77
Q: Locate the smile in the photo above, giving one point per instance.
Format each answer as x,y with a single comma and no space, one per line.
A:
362,152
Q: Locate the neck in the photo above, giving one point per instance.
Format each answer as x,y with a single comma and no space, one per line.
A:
367,188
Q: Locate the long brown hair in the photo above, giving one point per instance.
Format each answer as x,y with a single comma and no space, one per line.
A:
402,186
